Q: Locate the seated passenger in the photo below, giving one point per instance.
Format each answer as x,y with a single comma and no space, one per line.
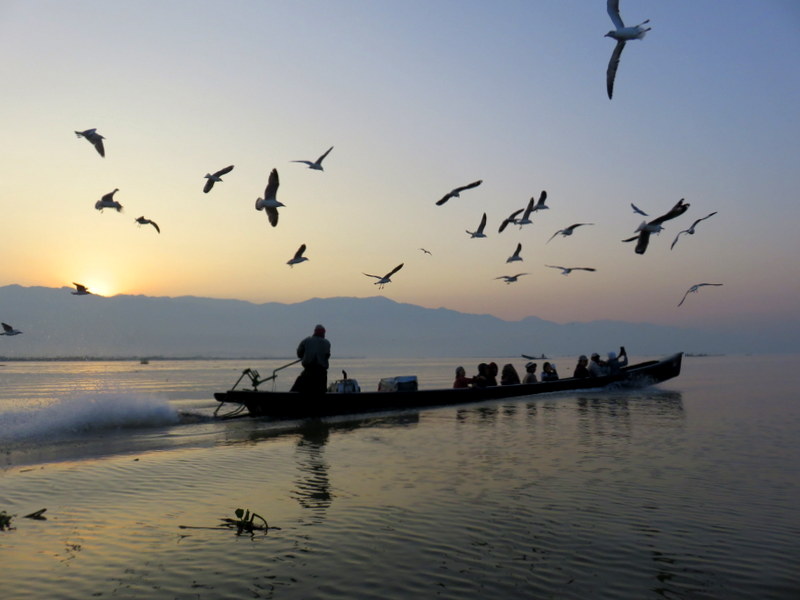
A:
491,377
615,363
509,375
530,373
597,367
482,378
461,381
581,369
549,372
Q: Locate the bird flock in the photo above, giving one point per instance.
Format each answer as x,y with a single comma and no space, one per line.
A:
521,217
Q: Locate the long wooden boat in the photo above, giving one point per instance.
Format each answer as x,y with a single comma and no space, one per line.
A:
293,405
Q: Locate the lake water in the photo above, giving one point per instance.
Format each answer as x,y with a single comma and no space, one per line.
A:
689,489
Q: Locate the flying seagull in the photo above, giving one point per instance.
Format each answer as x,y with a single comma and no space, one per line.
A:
644,230
568,270
511,278
215,177
383,280
317,164
690,231
426,251
143,221
622,34
567,230
455,193
512,218
693,290
9,330
478,233
107,201
298,256
516,255
94,138
531,207
270,202
638,210
80,290
540,204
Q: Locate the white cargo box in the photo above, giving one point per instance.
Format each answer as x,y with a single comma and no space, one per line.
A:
405,383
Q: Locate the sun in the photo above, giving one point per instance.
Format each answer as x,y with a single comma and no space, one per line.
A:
98,287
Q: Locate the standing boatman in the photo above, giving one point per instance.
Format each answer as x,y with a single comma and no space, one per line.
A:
314,352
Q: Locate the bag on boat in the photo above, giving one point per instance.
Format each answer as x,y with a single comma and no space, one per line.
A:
405,383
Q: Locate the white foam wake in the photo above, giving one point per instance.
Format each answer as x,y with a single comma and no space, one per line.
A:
85,413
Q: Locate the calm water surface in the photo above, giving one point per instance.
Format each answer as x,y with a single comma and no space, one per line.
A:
685,490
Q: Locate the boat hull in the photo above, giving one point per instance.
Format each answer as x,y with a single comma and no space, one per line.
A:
293,405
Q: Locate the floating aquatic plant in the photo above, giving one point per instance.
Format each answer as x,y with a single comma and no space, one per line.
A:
5,520
245,522
38,515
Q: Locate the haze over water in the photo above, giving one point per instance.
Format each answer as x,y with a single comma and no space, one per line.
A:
684,490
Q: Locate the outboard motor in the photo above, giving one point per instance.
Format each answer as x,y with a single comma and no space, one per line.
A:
345,385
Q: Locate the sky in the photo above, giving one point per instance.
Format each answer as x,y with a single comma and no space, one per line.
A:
416,97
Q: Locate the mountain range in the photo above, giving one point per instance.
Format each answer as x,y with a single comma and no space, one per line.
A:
56,324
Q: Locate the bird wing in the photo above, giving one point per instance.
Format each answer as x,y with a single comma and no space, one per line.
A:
209,184
510,219
529,208
469,186
300,251
444,199
676,211
483,223
542,198
305,162
638,210
613,11
554,235
154,224
684,296
643,241
271,190
7,327
704,218
555,267
585,268
321,158
393,271
675,241
98,144
222,172
611,72
375,276
272,215
519,249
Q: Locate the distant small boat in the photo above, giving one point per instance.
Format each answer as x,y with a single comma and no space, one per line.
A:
144,361
294,405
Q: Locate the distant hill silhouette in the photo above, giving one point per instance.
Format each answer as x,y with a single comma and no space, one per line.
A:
55,324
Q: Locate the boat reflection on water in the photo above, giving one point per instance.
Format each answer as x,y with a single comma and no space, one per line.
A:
313,489
597,411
